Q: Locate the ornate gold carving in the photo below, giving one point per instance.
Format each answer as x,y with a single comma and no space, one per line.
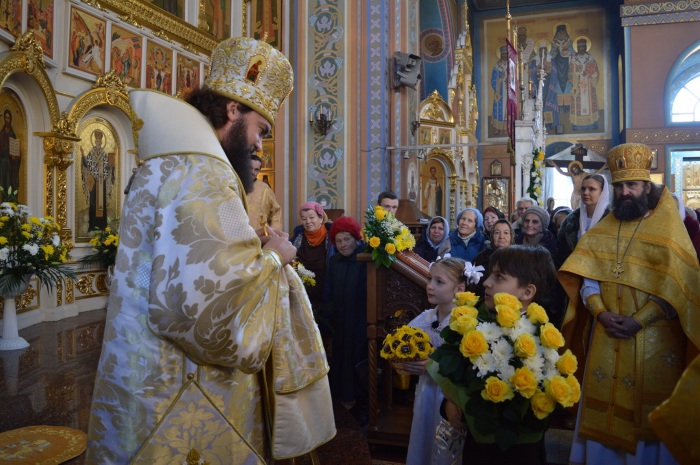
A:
84,284
163,35
22,301
130,20
663,135
101,283
154,18
33,53
437,109
94,3
70,292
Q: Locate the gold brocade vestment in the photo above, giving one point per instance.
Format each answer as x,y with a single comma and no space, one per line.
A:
210,346
625,379
263,207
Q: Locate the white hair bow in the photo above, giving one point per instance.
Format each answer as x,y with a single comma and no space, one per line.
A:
447,255
473,273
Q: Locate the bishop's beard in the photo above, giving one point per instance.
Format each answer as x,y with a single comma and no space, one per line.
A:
238,153
626,211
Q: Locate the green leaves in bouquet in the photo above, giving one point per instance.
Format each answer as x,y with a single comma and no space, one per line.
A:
381,259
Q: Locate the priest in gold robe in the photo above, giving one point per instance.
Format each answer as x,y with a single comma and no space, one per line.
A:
210,352
263,209
634,315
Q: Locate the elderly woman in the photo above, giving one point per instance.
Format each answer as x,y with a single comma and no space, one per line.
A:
595,197
347,298
467,240
501,236
314,248
535,230
432,239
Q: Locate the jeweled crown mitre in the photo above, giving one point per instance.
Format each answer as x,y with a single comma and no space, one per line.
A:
251,72
630,162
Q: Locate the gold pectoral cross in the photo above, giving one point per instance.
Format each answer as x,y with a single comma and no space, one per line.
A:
618,270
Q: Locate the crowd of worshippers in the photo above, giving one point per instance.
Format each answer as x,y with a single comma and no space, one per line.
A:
535,244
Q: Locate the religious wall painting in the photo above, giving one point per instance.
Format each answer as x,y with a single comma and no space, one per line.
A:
268,178
444,136
11,17
159,68
86,42
266,21
654,159
126,55
495,193
217,14
267,155
426,136
569,44
40,16
412,182
13,145
188,75
433,192
96,177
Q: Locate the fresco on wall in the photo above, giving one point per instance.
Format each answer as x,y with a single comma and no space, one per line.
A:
570,46
40,20
126,51
13,145
86,42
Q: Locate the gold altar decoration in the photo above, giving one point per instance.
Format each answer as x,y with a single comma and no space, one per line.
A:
41,445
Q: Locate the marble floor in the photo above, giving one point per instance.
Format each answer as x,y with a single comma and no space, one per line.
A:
50,383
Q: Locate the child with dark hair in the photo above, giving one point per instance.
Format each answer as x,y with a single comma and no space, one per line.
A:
528,273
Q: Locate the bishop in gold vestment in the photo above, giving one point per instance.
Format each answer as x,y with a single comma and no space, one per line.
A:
647,270
210,351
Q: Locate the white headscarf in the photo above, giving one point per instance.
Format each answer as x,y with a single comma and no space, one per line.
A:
681,207
603,202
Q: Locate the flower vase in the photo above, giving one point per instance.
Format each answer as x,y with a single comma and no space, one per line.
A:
10,334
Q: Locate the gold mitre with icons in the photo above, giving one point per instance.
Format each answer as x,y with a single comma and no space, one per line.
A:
630,162
251,72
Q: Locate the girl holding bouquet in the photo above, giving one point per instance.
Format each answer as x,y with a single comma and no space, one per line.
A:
526,273
446,279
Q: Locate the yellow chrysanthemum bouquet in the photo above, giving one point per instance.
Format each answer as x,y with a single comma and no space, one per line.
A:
406,343
536,174
385,236
104,244
308,277
504,369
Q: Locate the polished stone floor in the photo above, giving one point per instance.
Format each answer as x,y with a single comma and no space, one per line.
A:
50,383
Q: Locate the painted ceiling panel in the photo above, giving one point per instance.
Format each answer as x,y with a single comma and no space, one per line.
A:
501,4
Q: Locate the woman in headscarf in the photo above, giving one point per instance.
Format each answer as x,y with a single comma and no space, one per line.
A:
347,298
595,197
502,235
535,230
467,240
434,237
314,248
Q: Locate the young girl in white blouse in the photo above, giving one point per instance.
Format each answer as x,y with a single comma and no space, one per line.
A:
447,277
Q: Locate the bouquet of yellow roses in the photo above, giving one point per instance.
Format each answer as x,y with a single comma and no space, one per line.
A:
385,235
406,343
504,369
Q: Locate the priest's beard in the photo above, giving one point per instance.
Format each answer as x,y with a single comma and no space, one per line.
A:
626,211
238,152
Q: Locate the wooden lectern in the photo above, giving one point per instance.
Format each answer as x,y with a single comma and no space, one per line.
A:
399,287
